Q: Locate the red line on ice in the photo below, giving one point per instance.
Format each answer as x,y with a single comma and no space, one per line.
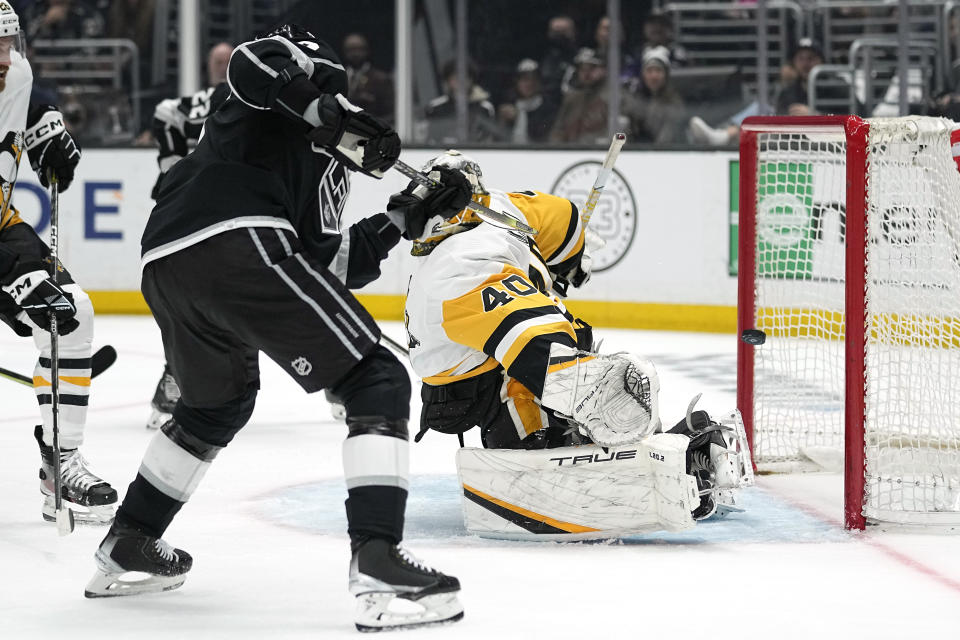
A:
898,556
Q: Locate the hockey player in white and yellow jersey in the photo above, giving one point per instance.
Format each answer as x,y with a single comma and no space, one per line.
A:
28,295
495,346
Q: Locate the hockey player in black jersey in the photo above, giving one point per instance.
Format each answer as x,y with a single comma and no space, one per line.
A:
242,254
177,125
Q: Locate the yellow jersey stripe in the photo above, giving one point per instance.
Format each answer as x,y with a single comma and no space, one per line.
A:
444,377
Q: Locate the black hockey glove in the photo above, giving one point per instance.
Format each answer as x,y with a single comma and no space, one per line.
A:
411,208
50,148
356,138
34,292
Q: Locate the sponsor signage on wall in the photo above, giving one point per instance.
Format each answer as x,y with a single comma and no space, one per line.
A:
659,217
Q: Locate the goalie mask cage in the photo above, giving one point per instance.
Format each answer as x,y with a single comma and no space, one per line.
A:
849,262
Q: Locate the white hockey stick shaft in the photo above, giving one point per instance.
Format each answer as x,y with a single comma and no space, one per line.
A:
615,145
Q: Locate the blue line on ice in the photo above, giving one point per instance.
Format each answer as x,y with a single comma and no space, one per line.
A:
433,513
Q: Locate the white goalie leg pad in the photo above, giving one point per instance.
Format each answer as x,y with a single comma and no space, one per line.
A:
614,398
583,492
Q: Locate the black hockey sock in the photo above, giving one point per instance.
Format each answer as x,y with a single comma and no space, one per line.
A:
376,512
147,508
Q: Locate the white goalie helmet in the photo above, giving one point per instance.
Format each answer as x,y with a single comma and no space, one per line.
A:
437,228
470,168
11,37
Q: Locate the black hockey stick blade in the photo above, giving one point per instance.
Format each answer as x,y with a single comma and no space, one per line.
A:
102,360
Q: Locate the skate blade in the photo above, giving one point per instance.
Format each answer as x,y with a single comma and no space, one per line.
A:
158,419
100,515
387,612
131,583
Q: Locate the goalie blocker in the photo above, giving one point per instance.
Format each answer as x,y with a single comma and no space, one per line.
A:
665,482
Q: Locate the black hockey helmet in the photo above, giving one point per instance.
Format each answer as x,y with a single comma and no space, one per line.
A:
323,60
298,35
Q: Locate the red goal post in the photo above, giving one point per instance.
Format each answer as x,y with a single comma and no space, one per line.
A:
849,263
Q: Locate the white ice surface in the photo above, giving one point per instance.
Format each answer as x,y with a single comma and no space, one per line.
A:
266,530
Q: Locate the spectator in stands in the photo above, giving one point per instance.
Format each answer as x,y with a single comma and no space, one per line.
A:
793,99
656,111
218,58
557,66
59,19
729,133
583,115
629,64
441,112
658,32
369,88
528,114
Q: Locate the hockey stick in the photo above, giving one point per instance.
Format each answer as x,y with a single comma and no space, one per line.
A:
618,141
102,360
394,344
485,213
64,515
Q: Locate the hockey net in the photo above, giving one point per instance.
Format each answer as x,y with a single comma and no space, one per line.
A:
858,293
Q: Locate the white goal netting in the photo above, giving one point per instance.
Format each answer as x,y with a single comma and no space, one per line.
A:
912,286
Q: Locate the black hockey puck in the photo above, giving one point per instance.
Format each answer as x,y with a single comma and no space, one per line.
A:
753,336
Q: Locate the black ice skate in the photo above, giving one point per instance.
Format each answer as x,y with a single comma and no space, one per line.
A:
90,498
164,400
718,456
130,562
381,572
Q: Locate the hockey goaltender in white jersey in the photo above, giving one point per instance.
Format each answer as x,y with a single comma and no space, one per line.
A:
573,444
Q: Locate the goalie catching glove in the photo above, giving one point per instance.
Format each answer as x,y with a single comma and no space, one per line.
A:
50,147
356,138
411,208
613,398
37,295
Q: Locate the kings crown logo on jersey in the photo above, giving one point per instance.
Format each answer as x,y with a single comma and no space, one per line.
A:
302,366
614,219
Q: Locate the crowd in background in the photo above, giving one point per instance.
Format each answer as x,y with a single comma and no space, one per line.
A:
556,93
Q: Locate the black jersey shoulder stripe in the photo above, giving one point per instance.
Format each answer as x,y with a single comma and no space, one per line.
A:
512,320
571,229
